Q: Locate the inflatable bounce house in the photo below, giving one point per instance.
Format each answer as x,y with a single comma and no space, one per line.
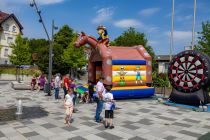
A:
127,69
189,74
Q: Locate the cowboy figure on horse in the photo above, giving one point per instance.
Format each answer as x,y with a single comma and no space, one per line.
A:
103,38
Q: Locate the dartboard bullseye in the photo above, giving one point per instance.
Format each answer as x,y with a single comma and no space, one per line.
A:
189,71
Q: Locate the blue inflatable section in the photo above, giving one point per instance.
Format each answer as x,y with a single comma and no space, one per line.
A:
128,93
129,62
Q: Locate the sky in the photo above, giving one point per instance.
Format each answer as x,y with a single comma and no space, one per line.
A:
151,17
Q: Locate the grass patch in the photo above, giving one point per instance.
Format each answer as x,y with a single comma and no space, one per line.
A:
29,71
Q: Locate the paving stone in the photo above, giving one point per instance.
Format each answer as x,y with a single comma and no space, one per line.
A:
206,126
191,120
77,138
157,114
4,138
108,136
25,122
136,138
145,122
37,137
93,137
89,123
166,118
174,112
30,134
129,126
135,122
71,128
190,133
48,125
144,110
170,138
24,130
1,134
181,124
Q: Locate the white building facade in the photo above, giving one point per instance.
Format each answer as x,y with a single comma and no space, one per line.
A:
9,29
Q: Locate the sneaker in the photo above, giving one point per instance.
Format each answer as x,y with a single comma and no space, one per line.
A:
111,127
106,126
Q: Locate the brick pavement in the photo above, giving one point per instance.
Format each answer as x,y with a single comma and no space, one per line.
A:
134,120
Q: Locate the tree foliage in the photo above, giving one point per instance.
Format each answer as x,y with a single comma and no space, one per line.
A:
65,56
131,38
204,39
74,57
64,36
20,52
41,48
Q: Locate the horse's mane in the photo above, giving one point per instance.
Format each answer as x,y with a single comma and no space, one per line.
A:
93,38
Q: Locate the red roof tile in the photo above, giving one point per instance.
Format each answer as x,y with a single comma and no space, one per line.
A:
3,16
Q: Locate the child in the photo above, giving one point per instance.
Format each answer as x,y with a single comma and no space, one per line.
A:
109,109
68,106
33,82
91,91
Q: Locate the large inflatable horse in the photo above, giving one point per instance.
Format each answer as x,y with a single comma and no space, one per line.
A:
127,69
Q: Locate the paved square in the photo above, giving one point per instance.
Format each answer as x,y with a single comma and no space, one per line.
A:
140,119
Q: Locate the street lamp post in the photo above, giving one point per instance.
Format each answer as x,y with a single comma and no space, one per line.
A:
50,44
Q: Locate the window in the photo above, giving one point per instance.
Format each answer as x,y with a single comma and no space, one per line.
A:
5,62
6,27
9,40
14,29
6,50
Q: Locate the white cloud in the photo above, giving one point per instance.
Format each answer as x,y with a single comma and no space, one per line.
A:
152,29
181,38
12,5
182,35
49,1
125,23
103,14
149,11
153,42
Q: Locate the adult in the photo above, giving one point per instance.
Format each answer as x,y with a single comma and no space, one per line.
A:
57,86
42,81
100,90
66,84
91,91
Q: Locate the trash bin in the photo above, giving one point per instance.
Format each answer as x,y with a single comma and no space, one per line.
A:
46,87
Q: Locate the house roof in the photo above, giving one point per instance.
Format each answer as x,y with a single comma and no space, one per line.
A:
4,16
162,58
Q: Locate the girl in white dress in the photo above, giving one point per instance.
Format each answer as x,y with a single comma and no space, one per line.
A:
68,106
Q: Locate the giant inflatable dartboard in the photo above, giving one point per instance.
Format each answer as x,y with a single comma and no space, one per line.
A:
189,74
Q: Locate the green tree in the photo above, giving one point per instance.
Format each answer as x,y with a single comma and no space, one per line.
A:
204,39
131,38
73,57
64,36
41,48
20,52
62,39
